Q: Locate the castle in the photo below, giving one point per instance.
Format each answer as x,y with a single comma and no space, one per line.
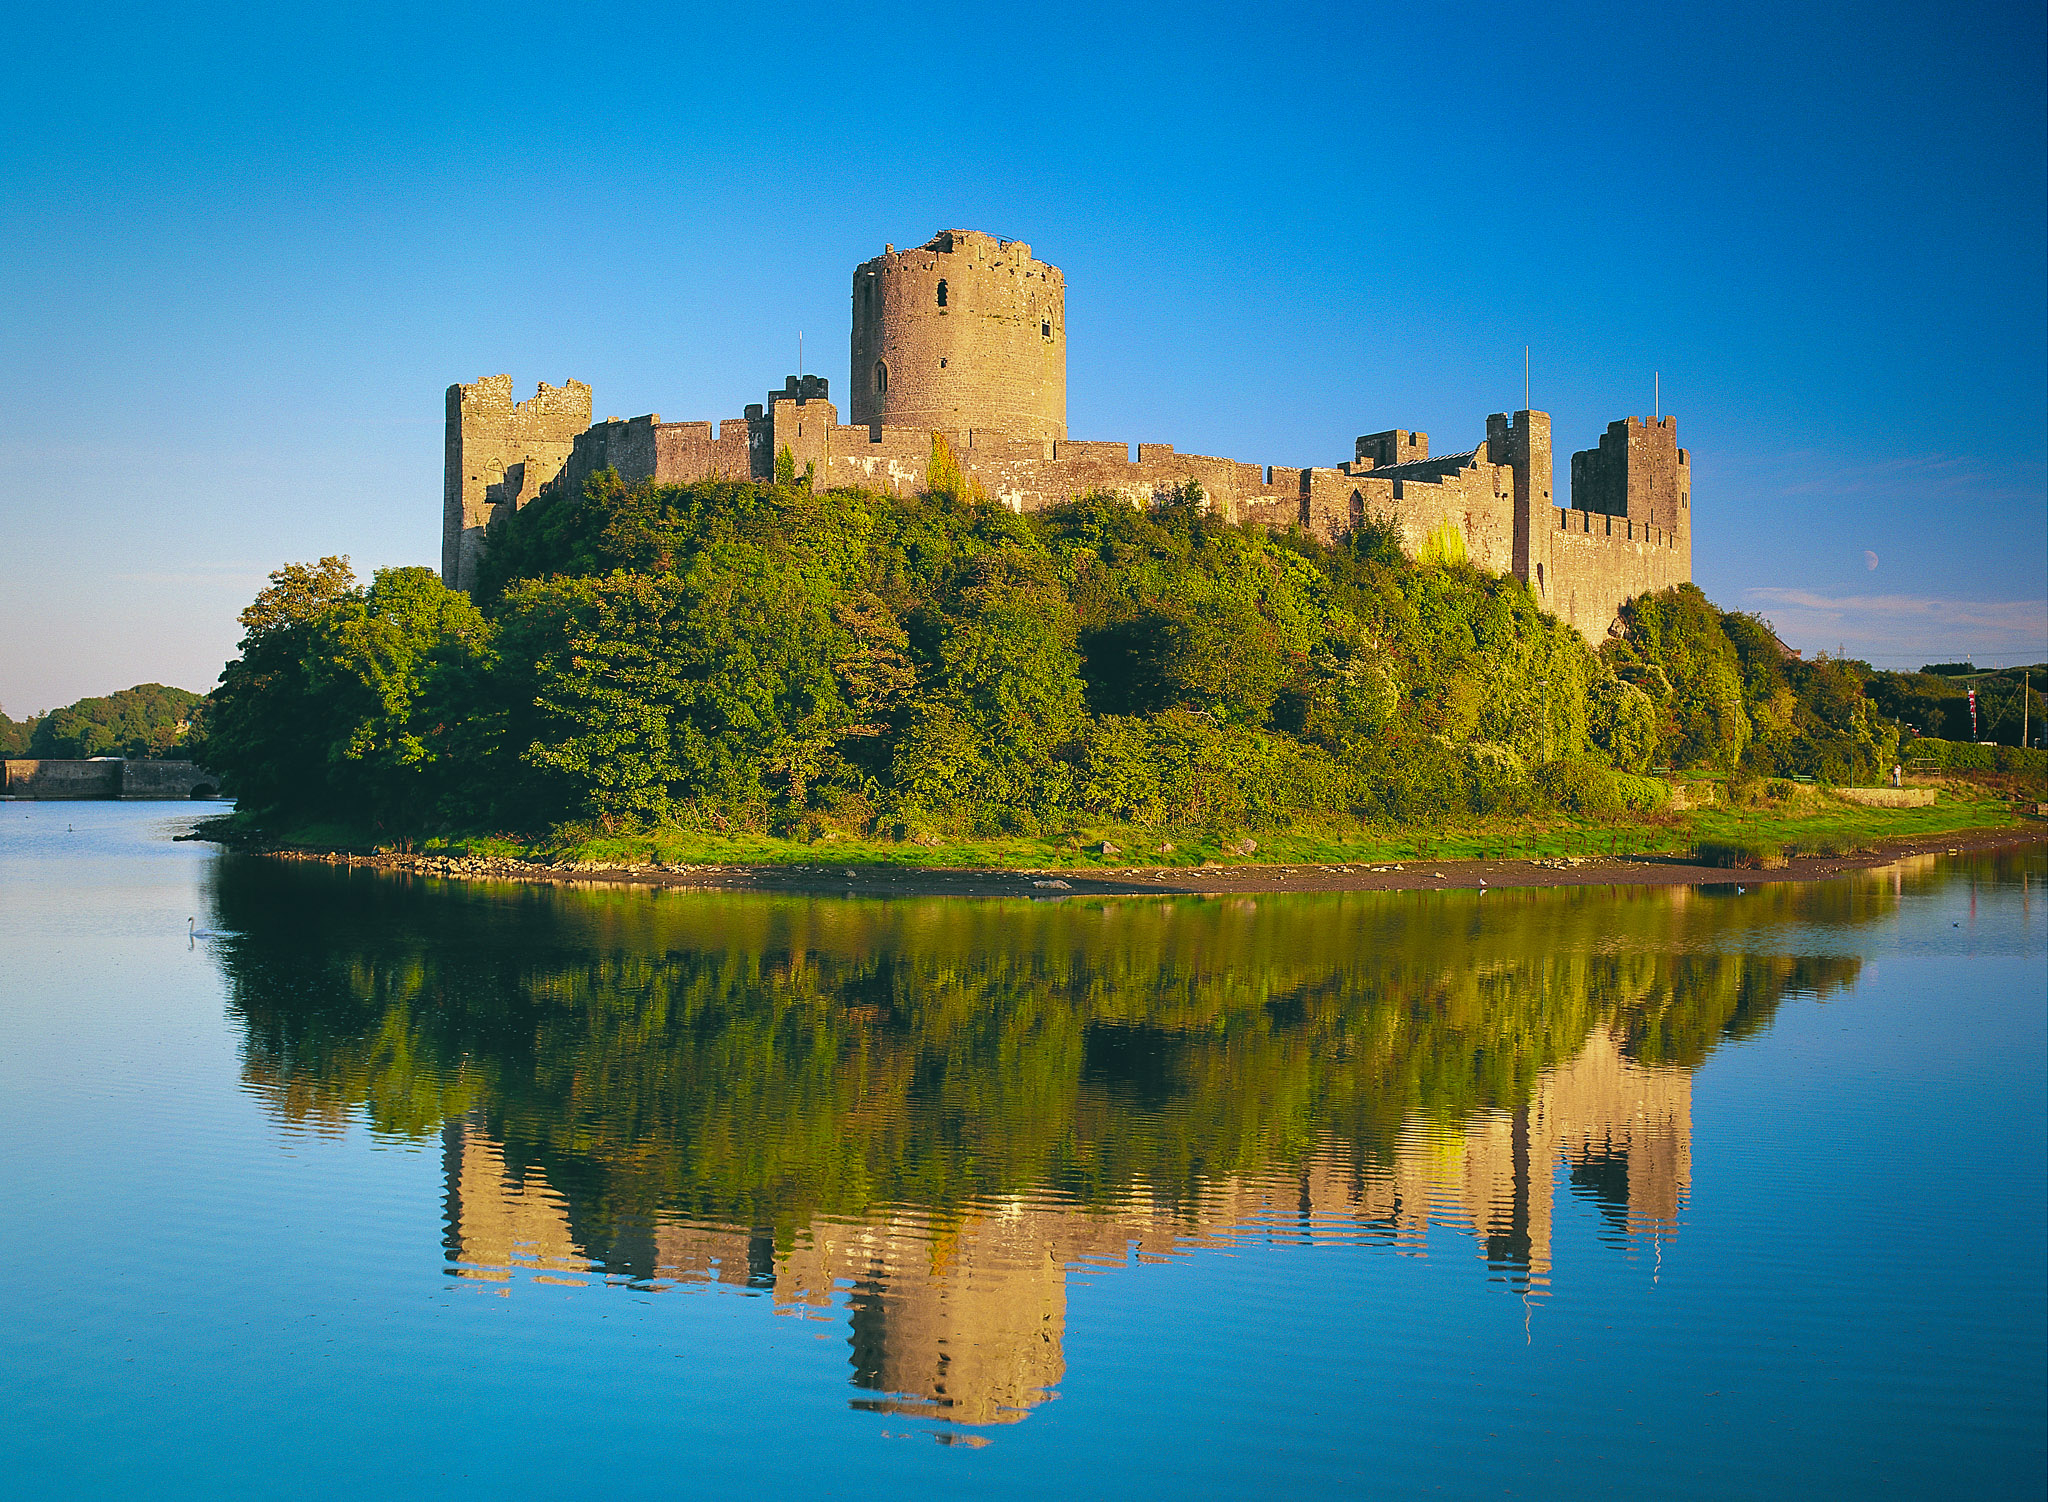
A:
966,337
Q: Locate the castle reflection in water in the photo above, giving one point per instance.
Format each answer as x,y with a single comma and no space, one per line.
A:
925,1118
963,1316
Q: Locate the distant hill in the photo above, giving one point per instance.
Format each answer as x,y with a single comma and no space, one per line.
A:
148,720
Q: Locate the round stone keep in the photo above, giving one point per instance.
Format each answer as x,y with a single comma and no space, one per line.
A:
964,333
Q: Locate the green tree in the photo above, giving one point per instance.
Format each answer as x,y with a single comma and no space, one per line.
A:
328,712
16,734
1704,722
1621,720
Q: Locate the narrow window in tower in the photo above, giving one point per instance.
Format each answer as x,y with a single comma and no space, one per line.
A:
1045,330
881,377
942,293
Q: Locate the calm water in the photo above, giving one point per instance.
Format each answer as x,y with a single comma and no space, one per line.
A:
394,1185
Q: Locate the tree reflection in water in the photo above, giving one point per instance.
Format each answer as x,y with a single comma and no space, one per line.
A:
928,1110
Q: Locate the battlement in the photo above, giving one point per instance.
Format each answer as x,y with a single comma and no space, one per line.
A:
975,243
1638,471
798,389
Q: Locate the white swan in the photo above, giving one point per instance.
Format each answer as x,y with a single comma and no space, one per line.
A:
194,932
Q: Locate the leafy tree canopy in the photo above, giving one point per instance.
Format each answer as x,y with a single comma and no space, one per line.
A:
764,655
150,719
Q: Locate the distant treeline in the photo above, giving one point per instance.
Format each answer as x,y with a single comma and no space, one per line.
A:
754,655
1935,702
148,720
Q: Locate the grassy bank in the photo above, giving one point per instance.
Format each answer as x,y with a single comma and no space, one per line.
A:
1803,821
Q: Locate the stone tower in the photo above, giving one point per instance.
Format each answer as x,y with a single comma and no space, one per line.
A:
1522,442
965,332
1639,472
499,450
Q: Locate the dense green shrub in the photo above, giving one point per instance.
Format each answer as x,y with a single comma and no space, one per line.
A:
1621,720
1729,696
760,655
1585,787
1702,720
1757,855
16,734
332,709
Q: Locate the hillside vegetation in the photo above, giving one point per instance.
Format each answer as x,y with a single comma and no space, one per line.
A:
738,657
148,720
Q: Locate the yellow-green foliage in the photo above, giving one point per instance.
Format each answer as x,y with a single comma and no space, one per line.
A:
944,479
1444,545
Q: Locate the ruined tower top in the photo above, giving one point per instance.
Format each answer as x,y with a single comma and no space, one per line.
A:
966,331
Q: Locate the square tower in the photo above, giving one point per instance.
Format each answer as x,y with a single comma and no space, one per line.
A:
1639,472
497,450
1395,446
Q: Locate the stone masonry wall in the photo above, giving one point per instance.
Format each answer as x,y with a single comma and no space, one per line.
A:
111,777
500,452
1598,563
1476,499
1639,472
64,779
1395,446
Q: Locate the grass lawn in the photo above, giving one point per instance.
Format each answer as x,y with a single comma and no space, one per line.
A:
1810,822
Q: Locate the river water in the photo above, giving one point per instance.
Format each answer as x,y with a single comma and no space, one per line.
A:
386,1186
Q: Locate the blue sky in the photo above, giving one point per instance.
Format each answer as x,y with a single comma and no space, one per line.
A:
242,254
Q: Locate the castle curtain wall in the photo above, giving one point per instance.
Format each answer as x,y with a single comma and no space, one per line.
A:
984,366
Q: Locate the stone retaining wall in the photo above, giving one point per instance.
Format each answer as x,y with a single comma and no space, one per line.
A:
109,778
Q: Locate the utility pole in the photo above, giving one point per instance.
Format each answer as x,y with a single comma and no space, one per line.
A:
2026,704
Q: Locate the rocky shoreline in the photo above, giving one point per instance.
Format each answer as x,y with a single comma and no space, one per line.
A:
1215,880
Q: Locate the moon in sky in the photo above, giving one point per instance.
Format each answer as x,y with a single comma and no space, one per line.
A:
1869,559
